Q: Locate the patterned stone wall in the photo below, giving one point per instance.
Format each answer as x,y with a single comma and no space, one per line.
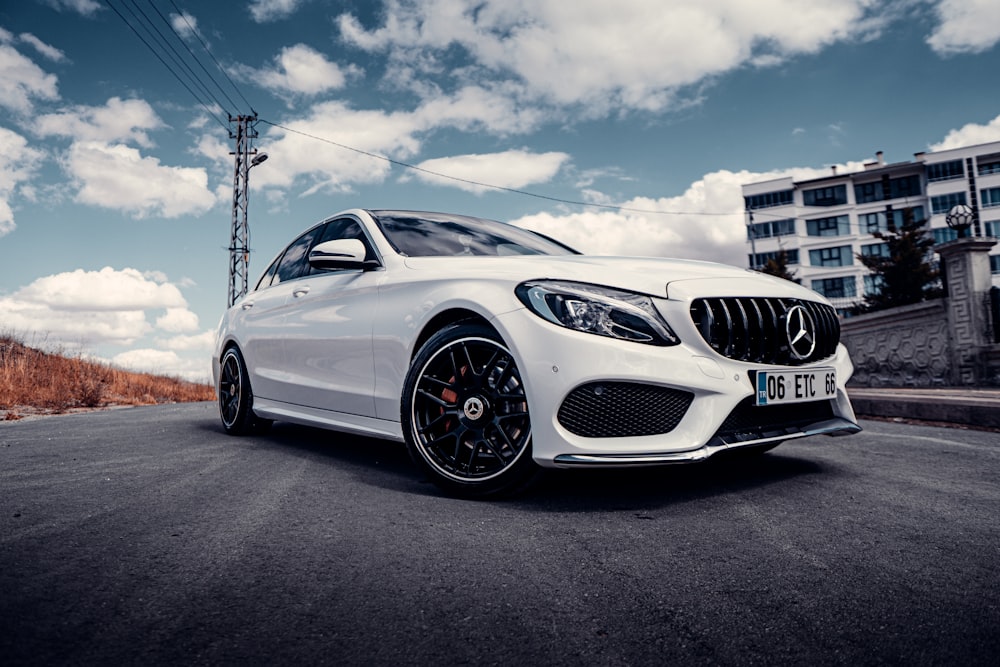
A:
946,342
903,347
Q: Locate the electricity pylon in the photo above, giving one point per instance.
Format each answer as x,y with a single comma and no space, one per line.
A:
239,238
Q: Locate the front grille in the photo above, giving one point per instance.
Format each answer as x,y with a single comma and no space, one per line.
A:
623,409
756,422
753,329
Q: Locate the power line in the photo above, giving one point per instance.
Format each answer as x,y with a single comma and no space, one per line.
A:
165,64
480,184
193,56
212,56
171,52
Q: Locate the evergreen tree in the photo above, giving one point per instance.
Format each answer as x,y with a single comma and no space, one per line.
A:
778,266
903,273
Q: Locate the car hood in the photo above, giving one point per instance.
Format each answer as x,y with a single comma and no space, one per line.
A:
673,278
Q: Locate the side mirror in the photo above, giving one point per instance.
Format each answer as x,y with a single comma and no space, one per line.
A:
339,254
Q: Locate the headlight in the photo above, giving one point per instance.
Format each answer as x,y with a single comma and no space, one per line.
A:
597,310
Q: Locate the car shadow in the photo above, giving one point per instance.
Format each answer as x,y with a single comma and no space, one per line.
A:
387,464
637,488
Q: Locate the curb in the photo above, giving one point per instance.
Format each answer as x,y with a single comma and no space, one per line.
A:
971,408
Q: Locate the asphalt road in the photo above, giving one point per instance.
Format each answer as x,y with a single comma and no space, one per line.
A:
147,536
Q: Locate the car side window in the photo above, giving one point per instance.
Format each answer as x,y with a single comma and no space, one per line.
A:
294,263
265,279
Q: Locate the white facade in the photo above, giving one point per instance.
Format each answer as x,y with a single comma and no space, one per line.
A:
824,224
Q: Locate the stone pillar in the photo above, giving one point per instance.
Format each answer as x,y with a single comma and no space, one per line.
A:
966,266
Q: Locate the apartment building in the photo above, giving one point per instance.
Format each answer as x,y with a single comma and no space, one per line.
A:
823,224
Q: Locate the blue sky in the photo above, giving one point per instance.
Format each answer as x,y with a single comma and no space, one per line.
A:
116,182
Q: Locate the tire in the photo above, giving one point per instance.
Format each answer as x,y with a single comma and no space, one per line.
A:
465,414
236,397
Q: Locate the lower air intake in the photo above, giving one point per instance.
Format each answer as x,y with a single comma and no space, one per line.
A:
623,409
752,422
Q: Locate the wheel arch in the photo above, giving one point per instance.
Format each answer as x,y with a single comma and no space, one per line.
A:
445,319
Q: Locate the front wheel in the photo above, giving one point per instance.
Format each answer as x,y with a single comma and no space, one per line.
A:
465,414
236,397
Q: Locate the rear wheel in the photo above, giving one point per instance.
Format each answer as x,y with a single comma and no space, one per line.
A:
236,397
465,414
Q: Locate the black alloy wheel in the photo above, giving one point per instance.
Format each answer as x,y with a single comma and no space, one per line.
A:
465,414
236,398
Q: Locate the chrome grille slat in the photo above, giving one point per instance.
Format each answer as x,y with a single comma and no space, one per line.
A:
752,329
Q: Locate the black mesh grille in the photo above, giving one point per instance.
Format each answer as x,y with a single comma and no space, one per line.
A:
753,329
623,409
753,422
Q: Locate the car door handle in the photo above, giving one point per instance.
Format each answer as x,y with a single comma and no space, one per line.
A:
247,305
300,291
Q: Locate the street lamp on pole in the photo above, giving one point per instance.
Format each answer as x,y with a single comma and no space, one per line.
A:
960,218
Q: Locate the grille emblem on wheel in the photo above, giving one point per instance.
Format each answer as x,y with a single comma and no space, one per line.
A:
801,332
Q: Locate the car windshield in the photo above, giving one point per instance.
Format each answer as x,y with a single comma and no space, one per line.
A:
439,235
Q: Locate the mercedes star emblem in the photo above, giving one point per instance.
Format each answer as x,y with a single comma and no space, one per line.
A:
801,332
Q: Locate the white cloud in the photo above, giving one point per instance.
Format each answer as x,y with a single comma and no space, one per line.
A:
202,342
633,54
966,26
706,222
263,11
165,363
510,169
104,290
18,166
50,52
22,81
117,120
333,168
184,24
84,7
471,108
969,135
95,307
177,320
300,70
118,177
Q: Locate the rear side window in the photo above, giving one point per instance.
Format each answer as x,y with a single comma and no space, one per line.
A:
265,279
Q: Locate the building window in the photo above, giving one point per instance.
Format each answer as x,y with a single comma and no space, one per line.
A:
995,263
944,203
899,215
899,188
839,256
908,186
768,199
992,167
836,226
873,222
766,230
945,171
944,234
791,257
836,288
868,192
993,228
832,196
989,197
875,250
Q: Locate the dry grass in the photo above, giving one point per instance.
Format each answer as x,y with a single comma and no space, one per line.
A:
37,382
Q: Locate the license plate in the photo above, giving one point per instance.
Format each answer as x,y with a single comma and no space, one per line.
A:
795,386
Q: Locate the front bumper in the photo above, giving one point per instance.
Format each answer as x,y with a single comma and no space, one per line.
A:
555,362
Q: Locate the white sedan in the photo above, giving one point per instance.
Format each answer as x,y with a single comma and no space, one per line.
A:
492,351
